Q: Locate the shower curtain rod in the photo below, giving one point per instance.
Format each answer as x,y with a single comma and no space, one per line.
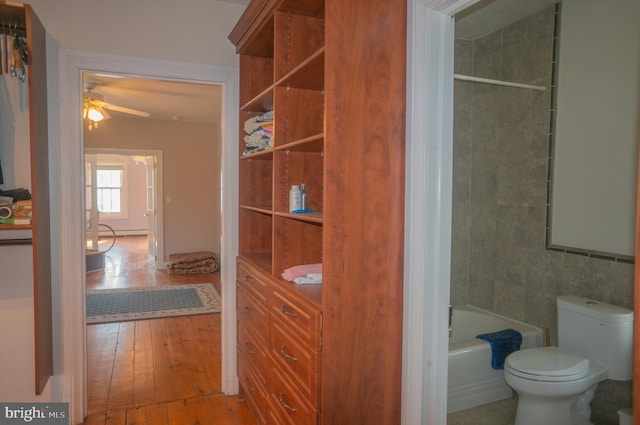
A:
497,82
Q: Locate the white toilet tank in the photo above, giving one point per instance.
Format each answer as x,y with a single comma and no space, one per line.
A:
599,331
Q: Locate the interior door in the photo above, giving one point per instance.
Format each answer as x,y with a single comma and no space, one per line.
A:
90,202
152,211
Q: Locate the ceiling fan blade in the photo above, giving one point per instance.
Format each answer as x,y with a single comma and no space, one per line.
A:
122,109
104,113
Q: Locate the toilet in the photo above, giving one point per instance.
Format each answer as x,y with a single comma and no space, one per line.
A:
555,385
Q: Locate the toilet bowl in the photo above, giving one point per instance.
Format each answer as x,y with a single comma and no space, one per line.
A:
554,387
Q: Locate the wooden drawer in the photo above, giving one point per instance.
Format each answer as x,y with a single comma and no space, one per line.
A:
254,352
254,390
298,317
297,360
286,405
252,313
252,280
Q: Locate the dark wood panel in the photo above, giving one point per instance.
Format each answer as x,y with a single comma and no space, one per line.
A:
256,180
41,219
365,71
297,37
298,242
298,167
256,76
256,233
299,114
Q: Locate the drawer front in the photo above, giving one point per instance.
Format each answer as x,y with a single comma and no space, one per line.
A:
299,362
254,352
299,317
252,313
251,280
286,405
254,390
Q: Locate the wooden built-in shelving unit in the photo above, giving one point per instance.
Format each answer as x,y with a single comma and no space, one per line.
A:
333,74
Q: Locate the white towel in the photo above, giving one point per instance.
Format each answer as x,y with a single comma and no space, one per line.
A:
309,278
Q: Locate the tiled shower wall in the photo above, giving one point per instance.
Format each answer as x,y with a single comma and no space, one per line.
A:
501,152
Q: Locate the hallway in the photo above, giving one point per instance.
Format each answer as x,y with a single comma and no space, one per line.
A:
161,371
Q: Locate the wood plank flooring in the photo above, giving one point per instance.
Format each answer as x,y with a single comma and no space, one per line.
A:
160,371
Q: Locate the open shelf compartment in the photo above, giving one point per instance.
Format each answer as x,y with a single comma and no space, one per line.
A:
300,243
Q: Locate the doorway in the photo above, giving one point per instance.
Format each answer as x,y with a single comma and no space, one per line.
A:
142,119
73,65
122,189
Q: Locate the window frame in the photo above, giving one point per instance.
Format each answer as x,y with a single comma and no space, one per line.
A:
110,162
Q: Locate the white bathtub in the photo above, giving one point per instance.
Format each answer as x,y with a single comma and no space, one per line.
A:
472,381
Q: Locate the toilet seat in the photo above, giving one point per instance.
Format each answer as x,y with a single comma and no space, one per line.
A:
548,364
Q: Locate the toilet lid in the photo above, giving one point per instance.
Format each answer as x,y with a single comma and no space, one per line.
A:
547,364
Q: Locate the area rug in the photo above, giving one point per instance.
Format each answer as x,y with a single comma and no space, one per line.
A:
125,304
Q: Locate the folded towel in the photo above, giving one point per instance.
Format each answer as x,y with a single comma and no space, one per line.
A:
502,343
309,278
301,270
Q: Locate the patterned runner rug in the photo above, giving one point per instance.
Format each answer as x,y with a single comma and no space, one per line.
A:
125,304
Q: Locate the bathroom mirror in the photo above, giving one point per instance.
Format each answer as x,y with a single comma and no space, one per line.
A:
594,147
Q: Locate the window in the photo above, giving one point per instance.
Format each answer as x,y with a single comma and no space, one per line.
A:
111,187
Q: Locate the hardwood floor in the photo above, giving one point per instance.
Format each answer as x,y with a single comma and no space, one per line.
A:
160,371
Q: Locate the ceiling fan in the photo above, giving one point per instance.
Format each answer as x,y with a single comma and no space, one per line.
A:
95,108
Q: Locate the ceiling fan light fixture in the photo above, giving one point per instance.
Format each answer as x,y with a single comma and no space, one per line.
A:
94,115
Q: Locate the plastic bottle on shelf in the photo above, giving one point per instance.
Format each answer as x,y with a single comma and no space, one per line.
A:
294,198
303,196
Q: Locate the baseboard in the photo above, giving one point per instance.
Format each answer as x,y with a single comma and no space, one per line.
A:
134,232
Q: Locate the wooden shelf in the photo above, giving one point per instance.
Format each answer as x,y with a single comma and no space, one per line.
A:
313,143
15,227
257,155
313,216
308,75
261,103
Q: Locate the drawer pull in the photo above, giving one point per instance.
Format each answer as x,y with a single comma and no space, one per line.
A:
248,348
250,280
286,312
248,312
287,355
246,384
285,405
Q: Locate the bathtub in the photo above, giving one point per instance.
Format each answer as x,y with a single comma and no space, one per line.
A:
472,381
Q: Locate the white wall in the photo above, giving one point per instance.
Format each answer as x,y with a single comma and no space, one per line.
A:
191,175
17,356
186,30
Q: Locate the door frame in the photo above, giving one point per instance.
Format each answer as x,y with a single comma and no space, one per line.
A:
71,65
157,190
428,189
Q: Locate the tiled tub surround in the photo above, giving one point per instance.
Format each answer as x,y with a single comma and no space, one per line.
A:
500,154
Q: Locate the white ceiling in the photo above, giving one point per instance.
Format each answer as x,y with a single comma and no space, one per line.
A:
164,100
168,100
488,16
